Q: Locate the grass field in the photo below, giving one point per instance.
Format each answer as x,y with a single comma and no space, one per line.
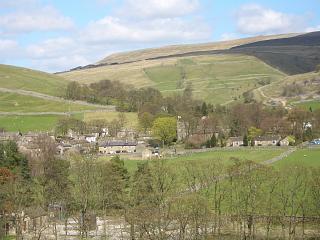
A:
309,157
314,105
223,156
24,124
10,102
22,78
131,117
215,78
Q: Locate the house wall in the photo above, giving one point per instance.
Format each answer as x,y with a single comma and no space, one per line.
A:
266,143
114,149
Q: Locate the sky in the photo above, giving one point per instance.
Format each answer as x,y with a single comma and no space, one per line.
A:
56,35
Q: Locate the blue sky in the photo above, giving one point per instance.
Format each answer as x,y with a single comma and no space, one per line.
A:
55,35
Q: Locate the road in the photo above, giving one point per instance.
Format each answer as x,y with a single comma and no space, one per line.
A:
57,99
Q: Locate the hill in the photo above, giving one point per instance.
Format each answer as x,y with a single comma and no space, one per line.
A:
292,55
215,78
168,51
31,100
27,79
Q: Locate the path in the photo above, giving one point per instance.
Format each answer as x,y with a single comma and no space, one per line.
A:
280,157
57,99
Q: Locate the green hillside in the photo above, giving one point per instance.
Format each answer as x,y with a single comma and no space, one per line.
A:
215,78
26,79
10,102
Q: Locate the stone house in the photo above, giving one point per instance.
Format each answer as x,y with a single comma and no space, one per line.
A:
268,140
117,146
235,142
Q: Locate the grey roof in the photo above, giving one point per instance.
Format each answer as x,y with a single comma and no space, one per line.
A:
236,139
118,143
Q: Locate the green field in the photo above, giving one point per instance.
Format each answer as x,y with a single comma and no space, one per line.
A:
24,124
223,156
22,78
314,105
214,78
10,102
131,117
308,157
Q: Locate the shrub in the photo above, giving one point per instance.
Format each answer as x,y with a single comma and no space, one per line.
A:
292,90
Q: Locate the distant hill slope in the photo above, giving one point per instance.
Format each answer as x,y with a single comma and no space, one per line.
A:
293,55
27,79
219,79
138,55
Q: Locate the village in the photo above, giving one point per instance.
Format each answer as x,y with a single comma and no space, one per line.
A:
134,144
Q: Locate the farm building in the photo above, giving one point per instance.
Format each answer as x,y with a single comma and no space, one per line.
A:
112,147
235,142
268,140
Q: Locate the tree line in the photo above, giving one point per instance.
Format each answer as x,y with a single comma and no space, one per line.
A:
159,200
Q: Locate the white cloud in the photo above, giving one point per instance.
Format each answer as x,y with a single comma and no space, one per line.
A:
8,48
115,30
44,18
255,19
159,8
60,63
51,48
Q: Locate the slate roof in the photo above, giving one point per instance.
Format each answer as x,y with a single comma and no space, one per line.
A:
267,138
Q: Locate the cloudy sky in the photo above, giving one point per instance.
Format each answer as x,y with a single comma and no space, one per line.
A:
55,35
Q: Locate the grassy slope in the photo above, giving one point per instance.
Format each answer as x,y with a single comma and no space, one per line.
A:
215,78
275,89
186,48
19,103
220,156
43,123
302,157
27,79
131,118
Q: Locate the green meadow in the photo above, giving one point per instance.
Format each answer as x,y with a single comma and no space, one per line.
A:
307,157
220,156
26,79
217,79
25,124
10,102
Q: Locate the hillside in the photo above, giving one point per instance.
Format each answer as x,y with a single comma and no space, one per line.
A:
31,100
215,78
297,90
27,79
152,53
292,55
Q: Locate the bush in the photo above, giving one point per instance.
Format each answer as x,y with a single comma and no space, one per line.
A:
292,90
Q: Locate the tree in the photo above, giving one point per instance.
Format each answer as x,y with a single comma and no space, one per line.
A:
145,120
204,109
254,132
165,129
245,140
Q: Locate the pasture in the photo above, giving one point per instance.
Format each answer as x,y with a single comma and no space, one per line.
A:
307,157
215,78
10,102
131,117
22,78
220,156
42,123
